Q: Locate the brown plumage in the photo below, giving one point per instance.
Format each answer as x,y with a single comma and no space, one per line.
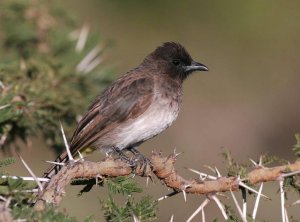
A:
136,107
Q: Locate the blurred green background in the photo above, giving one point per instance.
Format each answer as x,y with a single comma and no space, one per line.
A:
247,103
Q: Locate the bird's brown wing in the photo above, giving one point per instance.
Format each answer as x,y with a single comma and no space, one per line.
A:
127,98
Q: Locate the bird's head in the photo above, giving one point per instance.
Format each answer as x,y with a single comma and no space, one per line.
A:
175,61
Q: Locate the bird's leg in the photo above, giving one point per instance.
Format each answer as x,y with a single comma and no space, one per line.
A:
140,161
122,156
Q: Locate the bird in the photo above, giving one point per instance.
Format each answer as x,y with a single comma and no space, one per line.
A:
136,107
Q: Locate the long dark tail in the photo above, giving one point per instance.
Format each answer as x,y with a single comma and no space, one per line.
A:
62,158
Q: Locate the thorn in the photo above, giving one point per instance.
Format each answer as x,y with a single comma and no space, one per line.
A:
31,173
201,207
220,205
260,163
222,195
184,192
253,162
282,201
135,219
97,61
238,207
203,174
2,85
203,215
80,155
4,106
7,202
96,179
211,168
295,203
3,198
286,215
66,143
257,201
89,58
184,195
177,154
172,217
167,196
29,191
83,35
41,179
244,195
56,163
252,190
218,172
202,178
290,174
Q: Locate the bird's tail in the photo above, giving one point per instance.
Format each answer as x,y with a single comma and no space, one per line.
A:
62,158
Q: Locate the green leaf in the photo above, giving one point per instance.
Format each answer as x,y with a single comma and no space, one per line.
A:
123,185
8,161
296,147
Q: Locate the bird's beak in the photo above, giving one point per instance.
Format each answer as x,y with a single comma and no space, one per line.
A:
196,66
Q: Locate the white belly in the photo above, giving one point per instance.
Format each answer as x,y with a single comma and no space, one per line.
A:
156,119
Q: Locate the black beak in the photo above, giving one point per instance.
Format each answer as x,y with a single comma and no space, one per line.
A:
196,66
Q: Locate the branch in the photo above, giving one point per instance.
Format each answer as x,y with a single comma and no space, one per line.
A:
163,168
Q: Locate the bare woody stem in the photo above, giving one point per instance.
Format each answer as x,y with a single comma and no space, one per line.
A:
163,168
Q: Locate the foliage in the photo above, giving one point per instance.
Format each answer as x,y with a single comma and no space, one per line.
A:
39,84
233,168
296,147
13,190
144,210
123,185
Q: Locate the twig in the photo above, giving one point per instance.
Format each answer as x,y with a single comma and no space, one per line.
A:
164,169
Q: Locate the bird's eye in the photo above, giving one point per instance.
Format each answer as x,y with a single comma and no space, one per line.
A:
176,62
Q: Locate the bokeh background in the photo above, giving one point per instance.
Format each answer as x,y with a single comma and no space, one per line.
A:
248,103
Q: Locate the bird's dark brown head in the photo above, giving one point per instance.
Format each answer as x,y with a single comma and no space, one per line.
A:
175,61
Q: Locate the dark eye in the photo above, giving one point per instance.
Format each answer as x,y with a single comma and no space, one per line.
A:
176,62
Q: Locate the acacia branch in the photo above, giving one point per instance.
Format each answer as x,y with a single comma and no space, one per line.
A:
162,167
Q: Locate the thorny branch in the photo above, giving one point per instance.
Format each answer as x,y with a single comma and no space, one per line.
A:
163,168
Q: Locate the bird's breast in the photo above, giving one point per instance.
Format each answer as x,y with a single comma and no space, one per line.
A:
160,115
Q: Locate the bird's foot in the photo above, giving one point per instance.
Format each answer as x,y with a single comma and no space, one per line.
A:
142,165
122,156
